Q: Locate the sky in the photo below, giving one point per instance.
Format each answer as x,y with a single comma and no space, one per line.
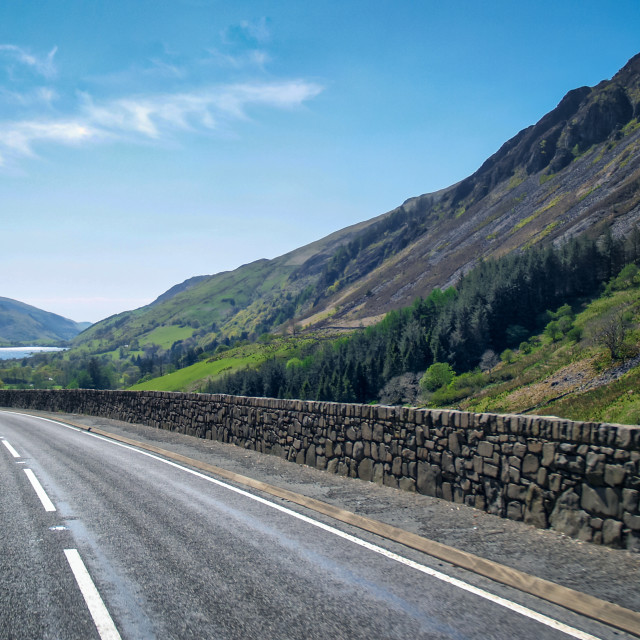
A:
143,143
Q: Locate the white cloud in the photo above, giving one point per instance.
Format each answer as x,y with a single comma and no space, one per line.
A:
41,64
153,116
17,139
36,97
252,58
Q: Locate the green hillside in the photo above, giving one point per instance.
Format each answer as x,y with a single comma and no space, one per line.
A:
574,374
198,376
22,324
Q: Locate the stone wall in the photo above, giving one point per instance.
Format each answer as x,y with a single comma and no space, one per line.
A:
580,478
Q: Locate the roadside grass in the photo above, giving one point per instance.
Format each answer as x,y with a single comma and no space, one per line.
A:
617,402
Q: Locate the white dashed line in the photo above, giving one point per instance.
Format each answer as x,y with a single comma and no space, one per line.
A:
502,602
12,451
44,498
101,618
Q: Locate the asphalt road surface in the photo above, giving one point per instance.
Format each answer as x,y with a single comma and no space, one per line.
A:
102,540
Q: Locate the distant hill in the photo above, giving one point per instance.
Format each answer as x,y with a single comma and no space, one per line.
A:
576,171
22,324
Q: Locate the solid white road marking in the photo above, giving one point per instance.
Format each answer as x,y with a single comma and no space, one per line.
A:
101,618
503,602
12,451
44,498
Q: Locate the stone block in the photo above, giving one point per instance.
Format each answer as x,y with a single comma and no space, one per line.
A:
514,511
390,481
534,446
490,470
485,449
407,484
614,474
310,458
365,470
630,500
530,464
541,477
534,511
612,533
519,449
568,518
601,501
447,463
454,444
631,521
516,492
428,479
548,453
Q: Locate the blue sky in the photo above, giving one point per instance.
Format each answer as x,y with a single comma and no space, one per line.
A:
142,143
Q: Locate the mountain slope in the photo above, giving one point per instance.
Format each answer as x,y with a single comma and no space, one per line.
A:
21,323
576,171
247,301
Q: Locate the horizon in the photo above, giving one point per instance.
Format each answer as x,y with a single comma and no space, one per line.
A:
142,146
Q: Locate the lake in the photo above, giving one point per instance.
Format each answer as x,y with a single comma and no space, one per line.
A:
7,353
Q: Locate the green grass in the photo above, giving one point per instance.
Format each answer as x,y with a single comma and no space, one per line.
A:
248,355
616,402
184,379
511,388
166,335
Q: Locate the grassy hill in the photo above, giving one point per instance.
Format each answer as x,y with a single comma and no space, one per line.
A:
197,376
22,324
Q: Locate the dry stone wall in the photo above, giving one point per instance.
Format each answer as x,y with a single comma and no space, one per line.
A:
580,478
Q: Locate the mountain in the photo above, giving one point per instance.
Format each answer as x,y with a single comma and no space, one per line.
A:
576,171
22,324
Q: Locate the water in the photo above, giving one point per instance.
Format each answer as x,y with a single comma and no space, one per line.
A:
7,353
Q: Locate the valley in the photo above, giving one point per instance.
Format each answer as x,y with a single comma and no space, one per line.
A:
551,219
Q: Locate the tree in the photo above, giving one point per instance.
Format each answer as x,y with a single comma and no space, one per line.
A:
489,360
437,375
507,356
612,334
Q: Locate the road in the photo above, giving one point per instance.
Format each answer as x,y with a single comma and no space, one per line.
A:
102,540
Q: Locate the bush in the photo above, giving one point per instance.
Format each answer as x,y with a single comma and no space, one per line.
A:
439,374
507,356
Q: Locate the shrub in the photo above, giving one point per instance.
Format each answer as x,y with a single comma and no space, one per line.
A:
439,374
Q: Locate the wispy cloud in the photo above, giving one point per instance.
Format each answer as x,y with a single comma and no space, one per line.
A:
153,116
38,97
18,138
252,58
157,115
43,65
